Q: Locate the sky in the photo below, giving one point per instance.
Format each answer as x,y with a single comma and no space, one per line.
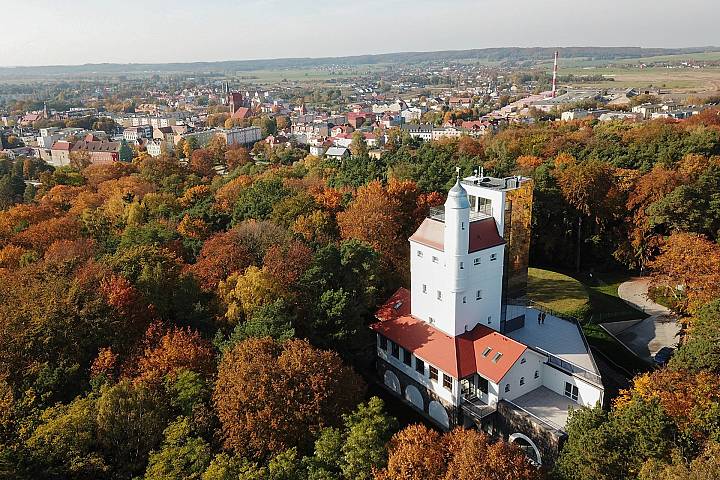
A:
67,32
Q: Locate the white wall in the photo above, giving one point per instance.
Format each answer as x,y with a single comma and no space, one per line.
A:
554,379
423,379
450,314
533,362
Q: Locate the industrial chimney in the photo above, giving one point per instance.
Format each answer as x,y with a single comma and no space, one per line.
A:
554,84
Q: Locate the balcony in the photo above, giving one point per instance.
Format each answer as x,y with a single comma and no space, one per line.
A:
485,211
476,408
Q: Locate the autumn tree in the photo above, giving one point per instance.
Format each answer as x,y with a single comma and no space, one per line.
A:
687,270
269,396
589,187
237,156
202,162
177,350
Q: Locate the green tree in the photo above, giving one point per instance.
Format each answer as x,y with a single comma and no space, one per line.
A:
182,456
701,349
126,153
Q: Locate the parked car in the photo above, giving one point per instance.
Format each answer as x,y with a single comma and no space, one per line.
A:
662,357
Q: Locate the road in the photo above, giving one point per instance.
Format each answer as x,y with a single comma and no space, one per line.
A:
644,337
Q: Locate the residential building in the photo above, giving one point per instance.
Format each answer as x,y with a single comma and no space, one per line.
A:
461,347
134,135
423,131
60,154
240,136
100,151
337,152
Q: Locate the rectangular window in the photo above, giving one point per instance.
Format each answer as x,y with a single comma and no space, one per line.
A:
493,257
478,295
433,373
537,374
419,366
464,299
439,295
435,259
476,261
383,342
424,288
522,380
395,350
462,265
447,381
407,357
571,391
419,253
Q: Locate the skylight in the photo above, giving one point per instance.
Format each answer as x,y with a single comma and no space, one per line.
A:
497,357
486,351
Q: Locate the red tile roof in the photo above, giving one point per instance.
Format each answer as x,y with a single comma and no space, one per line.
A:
483,234
241,113
459,356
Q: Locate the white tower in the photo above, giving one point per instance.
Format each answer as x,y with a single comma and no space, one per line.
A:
456,267
456,238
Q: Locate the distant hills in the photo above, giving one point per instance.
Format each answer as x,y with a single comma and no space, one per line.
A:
503,54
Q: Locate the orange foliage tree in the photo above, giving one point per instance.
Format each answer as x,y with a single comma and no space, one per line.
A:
272,396
688,269
418,453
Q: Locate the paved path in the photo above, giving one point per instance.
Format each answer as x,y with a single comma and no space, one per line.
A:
644,337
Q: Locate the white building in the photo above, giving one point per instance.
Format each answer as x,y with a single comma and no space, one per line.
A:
460,351
241,136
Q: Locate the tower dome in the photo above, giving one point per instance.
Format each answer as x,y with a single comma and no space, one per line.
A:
457,197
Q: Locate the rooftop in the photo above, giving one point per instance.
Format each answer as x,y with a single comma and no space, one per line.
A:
546,405
475,351
483,234
559,337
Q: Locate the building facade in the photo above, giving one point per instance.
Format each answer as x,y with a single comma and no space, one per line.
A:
461,347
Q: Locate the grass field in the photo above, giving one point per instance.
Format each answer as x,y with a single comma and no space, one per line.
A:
556,291
596,297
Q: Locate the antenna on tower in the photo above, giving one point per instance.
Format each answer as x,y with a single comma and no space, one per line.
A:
554,81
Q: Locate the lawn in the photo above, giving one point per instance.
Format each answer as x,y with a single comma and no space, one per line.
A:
556,291
592,299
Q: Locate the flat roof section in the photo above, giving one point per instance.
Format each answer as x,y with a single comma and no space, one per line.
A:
559,337
548,406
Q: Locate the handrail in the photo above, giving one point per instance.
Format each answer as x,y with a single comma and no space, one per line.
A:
568,318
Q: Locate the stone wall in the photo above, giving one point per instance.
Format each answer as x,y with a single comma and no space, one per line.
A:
428,396
510,419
